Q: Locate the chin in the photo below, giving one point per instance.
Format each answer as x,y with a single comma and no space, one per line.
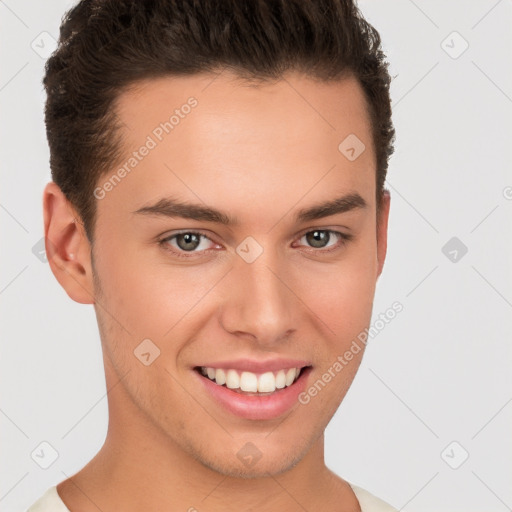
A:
266,464
260,470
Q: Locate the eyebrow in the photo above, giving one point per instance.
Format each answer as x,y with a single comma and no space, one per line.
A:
169,207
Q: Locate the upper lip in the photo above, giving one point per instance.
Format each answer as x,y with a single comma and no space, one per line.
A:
251,365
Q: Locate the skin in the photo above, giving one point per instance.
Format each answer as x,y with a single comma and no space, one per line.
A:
259,153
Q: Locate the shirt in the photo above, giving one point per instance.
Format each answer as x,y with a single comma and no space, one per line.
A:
50,502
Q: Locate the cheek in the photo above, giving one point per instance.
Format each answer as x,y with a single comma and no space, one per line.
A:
128,297
149,297
342,294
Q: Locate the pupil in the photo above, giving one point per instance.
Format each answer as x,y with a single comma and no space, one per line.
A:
318,238
191,241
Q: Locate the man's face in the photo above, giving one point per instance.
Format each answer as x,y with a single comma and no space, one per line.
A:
267,286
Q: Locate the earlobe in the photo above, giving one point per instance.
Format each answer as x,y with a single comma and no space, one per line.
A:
382,231
67,248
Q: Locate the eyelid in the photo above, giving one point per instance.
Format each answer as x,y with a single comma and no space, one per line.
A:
167,238
329,229
343,238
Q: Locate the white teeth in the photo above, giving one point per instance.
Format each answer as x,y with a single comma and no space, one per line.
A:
232,379
248,382
280,379
220,377
266,382
290,376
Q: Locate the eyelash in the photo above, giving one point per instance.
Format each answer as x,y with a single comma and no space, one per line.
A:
344,238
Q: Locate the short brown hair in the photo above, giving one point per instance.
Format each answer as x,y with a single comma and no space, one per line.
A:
107,45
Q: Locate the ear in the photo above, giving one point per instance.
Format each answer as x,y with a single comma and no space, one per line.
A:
67,248
382,230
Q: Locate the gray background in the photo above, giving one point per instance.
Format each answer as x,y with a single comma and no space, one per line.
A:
435,384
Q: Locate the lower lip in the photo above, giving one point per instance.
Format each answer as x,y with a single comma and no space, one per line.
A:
252,407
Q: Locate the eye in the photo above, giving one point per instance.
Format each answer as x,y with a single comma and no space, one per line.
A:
325,238
186,242
191,243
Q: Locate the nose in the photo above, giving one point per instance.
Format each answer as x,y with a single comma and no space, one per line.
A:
260,303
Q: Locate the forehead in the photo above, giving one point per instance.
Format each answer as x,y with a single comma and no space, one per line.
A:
217,137
303,106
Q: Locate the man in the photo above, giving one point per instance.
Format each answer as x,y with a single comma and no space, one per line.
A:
218,196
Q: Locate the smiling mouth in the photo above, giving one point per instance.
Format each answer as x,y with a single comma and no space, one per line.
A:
249,383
